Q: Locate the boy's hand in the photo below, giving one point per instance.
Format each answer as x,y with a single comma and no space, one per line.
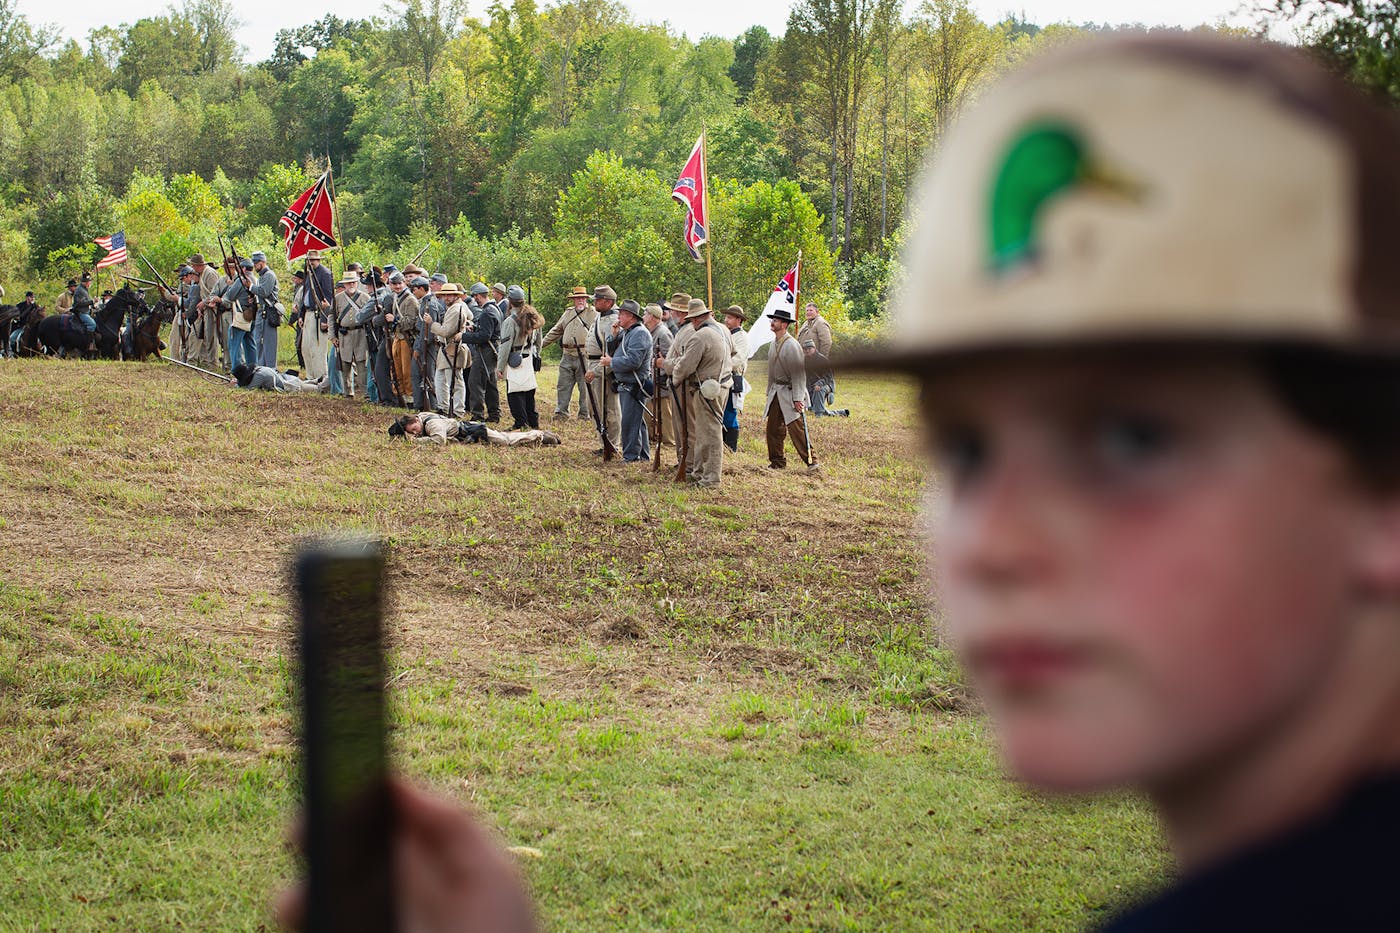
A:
449,874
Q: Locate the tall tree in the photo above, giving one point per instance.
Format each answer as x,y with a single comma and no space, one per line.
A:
749,50
840,37
958,49
420,31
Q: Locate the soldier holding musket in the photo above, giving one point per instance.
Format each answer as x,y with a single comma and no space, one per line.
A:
571,330
596,346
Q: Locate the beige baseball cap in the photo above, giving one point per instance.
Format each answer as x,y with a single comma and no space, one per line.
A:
1185,188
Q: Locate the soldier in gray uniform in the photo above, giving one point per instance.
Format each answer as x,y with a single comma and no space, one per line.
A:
269,318
352,347
631,374
424,349
596,345
483,395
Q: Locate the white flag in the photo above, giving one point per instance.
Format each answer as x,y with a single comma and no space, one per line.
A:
784,296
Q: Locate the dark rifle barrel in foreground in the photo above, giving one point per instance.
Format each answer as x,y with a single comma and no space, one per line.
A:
682,432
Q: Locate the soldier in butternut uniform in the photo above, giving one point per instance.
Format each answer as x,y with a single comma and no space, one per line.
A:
450,379
404,330
571,330
787,396
681,333
702,367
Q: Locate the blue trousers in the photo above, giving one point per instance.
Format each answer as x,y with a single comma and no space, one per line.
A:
89,322
242,347
267,344
337,387
635,444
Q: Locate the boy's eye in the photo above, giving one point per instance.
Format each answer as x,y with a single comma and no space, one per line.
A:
959,452
1132,439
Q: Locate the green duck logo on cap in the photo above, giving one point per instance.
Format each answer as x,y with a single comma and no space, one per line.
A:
1045,160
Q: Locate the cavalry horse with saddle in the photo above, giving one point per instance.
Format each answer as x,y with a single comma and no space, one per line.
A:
64,334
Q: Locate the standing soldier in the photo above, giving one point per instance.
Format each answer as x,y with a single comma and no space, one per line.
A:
734,318
596,346
269,317
424,352
654,320
403,324
815,330
222,314
676,309
206,329
702,369
571,330
189,312
318,293
238,299
787,396
484,397
631,372
351,347
374,313
450,382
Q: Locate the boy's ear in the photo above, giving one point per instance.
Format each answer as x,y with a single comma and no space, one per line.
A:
1379,557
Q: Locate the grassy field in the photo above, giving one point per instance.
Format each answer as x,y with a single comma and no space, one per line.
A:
708,709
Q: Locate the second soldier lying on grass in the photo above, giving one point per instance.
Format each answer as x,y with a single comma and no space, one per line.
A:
429,427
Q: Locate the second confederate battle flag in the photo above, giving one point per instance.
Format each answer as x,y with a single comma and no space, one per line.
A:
690,191
308,220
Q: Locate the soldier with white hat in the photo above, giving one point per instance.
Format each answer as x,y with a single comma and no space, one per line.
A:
450,378
571,331
702,370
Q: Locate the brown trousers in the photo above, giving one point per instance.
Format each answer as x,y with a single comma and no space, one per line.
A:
796,429
401,358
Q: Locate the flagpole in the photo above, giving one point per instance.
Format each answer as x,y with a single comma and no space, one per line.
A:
709,231
335,215
797,286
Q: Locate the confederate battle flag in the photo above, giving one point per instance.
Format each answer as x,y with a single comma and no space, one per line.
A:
690,191
308,220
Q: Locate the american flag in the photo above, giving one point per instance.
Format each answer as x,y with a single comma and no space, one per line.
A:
117,244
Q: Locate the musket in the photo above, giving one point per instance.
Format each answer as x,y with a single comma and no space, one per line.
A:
682,434
199,369
418,255
179,317
656,417
388,347
146,282
608,449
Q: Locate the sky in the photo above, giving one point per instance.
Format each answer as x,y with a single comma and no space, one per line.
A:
74,18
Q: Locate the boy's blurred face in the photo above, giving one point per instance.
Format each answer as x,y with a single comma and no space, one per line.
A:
1145,564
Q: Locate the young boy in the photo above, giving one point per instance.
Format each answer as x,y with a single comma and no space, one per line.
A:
1154,316
1154,310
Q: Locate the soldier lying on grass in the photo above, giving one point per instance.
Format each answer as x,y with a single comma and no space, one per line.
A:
1155,315
430,427
265,377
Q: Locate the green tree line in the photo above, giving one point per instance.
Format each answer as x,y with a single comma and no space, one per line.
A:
536,144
